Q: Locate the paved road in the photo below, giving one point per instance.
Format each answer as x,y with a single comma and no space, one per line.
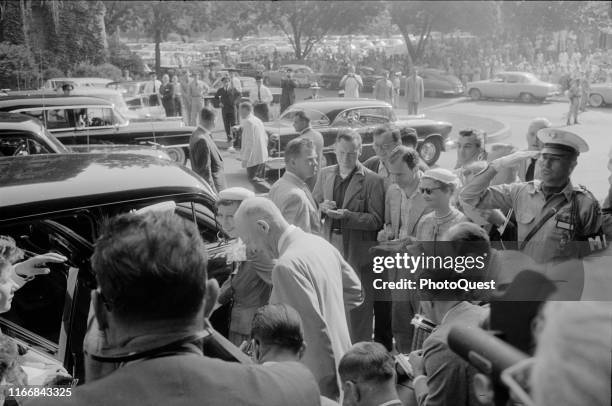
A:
595,127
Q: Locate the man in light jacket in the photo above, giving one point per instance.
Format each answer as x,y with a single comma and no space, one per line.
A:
291,193
254,150
311,276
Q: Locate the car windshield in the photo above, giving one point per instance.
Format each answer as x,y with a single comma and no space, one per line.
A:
56,143
530,77
120,105
317,119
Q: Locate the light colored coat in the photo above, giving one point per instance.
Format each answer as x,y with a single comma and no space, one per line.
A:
254,150
311,276
294,199
415,90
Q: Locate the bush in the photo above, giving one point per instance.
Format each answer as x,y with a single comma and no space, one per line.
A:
106,70
52,73
121,56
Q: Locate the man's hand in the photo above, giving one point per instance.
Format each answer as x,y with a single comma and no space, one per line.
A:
327,205
58,377
36,265
337,214
416,360
513,159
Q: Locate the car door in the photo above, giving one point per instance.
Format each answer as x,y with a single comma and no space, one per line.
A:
513,86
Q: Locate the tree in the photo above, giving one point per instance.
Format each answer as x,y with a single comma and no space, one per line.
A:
118,15
240,17
305,23
18,69
417,19
160,18
12,22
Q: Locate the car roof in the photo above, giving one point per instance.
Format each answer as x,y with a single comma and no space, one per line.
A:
81,80
36,184
332,106
17,121
59,100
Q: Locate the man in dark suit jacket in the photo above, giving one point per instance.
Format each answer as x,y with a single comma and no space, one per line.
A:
205,157
353,199
288,86
151,273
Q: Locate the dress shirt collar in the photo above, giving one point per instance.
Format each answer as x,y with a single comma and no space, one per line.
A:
305,130
284,236
567,191
393,402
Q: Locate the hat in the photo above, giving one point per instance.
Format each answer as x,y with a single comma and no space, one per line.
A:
67,86
314,85
556,140
441,175
235,193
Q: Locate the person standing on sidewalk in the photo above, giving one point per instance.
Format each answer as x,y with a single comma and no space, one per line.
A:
383,89
261,99
205,157
227,96
196,92
396,89
415,92
573,95
351,83
254,149
288,86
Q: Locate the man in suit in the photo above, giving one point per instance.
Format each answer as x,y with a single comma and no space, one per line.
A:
441,376
261,99
301,124
353,199
415,92
254,150
205,157
228,96
528,169
152,290
291,193
311,276
288,86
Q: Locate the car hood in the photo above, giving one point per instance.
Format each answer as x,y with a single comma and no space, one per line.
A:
420,122
279,127
161,125
153,151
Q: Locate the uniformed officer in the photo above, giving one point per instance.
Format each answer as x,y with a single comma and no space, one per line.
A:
552,214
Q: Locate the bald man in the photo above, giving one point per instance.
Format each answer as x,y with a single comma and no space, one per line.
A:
527,170
311,276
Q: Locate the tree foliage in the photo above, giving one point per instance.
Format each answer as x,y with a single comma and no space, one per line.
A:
12,22
242,18
18,68
417,19
305,23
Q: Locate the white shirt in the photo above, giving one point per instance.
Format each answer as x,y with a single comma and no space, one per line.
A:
236,84
254,150
266,95
149,86
351,86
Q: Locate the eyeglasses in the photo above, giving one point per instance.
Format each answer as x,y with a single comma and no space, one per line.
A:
427,191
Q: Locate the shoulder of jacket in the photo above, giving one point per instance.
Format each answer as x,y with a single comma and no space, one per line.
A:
586,193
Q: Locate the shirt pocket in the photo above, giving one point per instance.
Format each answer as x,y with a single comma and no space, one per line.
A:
525,222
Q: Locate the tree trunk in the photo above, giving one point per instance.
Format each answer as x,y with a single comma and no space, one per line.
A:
157,52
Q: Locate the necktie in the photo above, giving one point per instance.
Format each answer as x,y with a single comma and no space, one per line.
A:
153,86
259,93
530,171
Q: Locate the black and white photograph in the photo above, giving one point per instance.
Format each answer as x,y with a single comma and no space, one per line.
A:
305,203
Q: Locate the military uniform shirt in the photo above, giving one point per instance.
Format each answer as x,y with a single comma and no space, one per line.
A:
530,204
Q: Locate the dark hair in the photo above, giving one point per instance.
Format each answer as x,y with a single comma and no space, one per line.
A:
406,154
393,132
302,116
481,136
348,135
409,137
295,147
9,355
151,266
246,105
206,114
367,361
279,325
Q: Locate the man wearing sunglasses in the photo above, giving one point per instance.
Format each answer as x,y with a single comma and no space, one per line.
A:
552,214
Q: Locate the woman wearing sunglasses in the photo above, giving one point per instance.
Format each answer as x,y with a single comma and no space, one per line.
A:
437,187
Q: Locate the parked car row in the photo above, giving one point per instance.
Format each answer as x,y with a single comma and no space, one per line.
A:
522,86
76,120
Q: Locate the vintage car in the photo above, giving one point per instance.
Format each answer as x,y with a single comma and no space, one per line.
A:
522,86
600,94
436,82
369,76
57,83
145,105
21,135
251,69
301,73
90,120
330,115
57,203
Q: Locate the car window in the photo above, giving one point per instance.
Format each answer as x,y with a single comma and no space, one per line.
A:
99,117
513,79
317,119
59,119
499,79
375,115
